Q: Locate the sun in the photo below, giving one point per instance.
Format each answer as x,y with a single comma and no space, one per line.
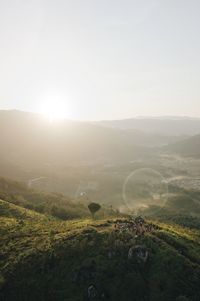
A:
54,110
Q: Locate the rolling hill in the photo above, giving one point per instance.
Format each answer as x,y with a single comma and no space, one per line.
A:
29,141
187,148
74,260
169,125
52,204
65,154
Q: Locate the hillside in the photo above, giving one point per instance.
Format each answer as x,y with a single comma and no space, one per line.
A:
169,125
187,148
53,204
57,260
69,156
29,141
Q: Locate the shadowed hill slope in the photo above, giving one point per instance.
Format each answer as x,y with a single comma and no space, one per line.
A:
54,204
46,259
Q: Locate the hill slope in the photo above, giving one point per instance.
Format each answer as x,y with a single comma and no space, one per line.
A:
28,140
31,142
54,204
188,147
44,259
168,125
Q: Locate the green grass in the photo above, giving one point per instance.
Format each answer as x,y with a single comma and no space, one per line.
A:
43,258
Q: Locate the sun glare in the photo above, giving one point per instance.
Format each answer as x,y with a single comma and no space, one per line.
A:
54,110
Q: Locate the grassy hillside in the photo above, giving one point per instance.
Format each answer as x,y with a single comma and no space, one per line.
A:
54,204
42,258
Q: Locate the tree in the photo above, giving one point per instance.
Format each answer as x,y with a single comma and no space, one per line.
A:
94,207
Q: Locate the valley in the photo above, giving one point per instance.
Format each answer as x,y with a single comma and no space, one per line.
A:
54,246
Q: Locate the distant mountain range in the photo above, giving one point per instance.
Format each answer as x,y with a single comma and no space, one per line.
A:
27,139
67,155
167,125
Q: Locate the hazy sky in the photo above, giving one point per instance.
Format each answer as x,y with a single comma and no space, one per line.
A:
104,59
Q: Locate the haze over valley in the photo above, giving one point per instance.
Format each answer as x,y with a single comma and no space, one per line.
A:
74,157
99,150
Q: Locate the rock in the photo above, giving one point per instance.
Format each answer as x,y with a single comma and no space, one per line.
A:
92,292
138,251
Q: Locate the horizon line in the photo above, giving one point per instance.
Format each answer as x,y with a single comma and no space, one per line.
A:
138,117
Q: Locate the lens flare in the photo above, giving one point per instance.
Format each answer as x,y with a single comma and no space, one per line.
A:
54,110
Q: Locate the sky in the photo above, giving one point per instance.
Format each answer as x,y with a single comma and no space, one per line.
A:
100,59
